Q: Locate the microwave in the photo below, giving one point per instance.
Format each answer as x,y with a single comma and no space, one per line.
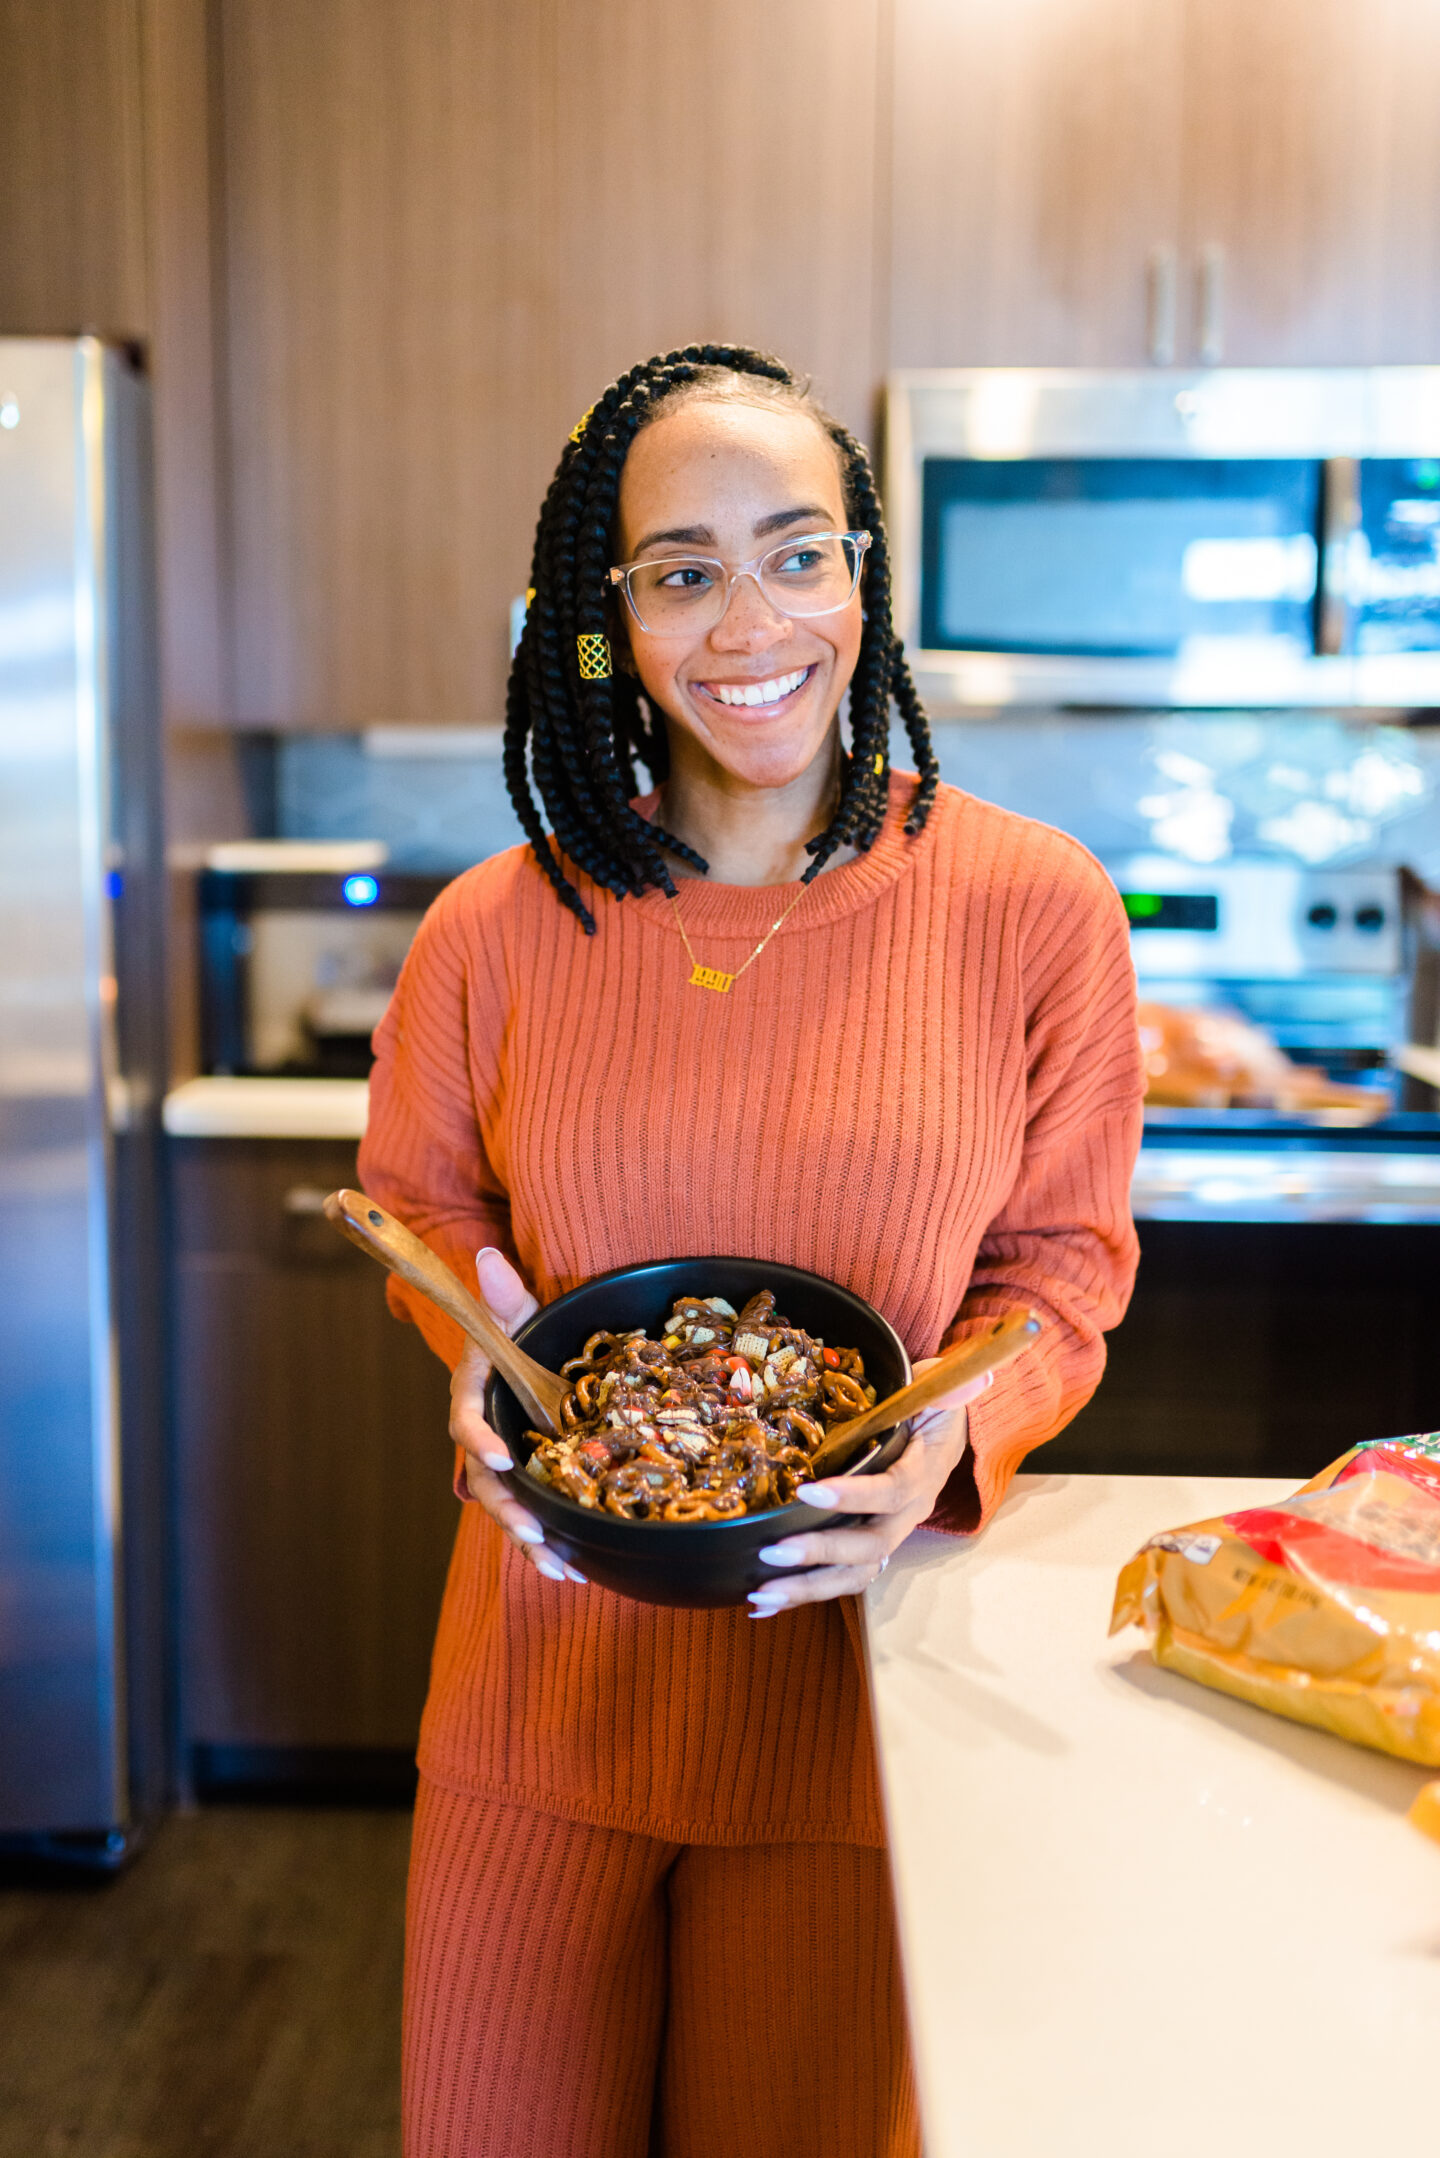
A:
1237,537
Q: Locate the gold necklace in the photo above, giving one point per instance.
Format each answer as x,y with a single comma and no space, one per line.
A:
713,977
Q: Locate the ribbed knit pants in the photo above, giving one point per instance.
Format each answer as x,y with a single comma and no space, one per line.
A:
576,1992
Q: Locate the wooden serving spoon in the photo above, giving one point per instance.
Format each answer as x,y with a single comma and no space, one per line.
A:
539,1392
968,1360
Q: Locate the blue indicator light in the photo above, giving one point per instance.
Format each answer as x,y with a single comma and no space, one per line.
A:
114,883
360,891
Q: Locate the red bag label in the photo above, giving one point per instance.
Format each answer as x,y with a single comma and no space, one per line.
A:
1376,1527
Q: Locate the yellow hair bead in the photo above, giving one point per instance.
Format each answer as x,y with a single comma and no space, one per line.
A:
879,762
580,425
594,650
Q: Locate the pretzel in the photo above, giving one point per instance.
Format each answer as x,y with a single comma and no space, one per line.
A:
802,1430
844,1396
640,1488
577,1483
703,1506
791,1469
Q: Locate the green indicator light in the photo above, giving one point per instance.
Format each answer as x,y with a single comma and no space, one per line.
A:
1427,473
1141,905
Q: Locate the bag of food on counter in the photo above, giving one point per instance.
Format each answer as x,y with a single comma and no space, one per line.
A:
1324,1607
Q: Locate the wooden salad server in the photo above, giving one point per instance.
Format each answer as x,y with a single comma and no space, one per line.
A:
967,1360
539,1392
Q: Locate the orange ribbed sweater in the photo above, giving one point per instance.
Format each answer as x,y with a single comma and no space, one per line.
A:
927,1088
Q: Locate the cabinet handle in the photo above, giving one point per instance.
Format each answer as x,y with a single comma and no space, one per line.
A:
1342,521
1160,288
303,1199
1210,305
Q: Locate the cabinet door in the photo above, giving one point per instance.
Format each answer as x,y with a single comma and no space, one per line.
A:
1312,179
1036,162
315,1510
72,180
446,228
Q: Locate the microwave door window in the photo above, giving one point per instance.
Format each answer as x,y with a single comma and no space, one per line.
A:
1393,571
1128,558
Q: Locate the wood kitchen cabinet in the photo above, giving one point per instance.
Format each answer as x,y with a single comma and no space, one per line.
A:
1111,182
1312,180
383,256
314,1509
1262,1349
72,175
445,229
1037,169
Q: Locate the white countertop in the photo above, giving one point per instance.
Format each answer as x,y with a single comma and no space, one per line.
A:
268,1109
1172,1183
1136,1915
1246,1181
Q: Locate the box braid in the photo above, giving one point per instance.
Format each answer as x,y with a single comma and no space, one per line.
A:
575,742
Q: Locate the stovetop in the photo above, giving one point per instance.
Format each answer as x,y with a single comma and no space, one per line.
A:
1320,1130
1266,1165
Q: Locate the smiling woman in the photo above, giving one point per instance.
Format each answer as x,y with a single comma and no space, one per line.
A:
794,1006
685,464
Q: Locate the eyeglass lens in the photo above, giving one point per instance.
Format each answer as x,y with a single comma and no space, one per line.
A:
813,575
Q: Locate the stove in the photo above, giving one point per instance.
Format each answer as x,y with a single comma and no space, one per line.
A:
1318,958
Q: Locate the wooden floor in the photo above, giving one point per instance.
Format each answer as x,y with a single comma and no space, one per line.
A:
235,1994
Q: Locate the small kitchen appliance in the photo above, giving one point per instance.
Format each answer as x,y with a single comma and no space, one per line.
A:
300,949
1233,536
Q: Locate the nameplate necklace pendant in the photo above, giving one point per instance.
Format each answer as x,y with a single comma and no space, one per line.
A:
715,977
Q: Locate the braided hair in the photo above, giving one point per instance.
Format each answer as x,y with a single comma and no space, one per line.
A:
577,740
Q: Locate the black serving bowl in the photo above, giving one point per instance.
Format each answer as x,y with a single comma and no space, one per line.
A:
693,1563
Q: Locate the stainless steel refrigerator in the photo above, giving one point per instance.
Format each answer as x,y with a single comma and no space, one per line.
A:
83,1542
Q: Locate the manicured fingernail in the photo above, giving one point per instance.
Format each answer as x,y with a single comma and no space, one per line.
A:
497,1461
487,1251
764,1602
817,1495
781,1555
530,1532
572,1575
551,1571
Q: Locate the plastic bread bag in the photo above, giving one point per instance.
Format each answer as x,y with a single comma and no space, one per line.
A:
1324,1607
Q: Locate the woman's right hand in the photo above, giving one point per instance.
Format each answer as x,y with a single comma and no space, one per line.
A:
484,1450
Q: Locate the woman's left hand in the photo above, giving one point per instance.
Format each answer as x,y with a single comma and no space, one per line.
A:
844,1561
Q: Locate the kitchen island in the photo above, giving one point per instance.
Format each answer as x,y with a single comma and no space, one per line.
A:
1136,1915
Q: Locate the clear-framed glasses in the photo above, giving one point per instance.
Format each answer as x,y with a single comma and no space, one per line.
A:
688,594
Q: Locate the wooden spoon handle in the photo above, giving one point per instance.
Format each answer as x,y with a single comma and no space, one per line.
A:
539,1391
967,1360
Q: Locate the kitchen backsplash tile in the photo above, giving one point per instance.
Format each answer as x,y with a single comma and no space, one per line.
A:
1199,785
439,807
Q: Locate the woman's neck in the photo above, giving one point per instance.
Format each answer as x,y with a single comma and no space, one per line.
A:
748,834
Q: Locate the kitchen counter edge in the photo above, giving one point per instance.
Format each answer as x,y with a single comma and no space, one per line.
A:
220,1108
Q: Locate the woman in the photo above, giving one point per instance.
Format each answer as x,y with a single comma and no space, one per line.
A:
792,1004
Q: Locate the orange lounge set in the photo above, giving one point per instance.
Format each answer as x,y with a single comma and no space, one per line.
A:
929,1089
